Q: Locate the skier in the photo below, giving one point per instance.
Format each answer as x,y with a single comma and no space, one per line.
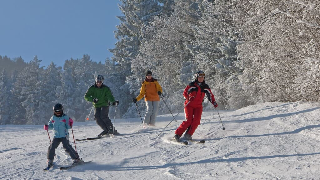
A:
101,97
60,123
194,94
151,91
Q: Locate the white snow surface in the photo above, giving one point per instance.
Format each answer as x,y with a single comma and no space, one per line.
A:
263,141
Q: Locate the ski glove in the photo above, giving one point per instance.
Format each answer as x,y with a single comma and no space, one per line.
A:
46,127
215,104
159,93
70,122
134,100
116,103
95,100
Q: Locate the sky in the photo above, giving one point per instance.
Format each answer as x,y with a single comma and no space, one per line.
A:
58,30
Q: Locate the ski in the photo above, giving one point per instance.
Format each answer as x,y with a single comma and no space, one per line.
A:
183,142
92,138
202,141
48,167
73,165
99,137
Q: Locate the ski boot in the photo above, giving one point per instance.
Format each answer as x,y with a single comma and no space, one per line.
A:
77,161
113,131
187,137
176,137
103,133
49,164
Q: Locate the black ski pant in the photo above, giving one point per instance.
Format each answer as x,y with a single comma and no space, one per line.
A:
101,115
66,145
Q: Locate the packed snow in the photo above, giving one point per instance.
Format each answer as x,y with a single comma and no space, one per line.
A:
264,141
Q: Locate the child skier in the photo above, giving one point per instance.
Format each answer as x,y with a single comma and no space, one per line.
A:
60,123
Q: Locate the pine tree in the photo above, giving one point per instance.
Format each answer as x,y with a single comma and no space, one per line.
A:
50,88
26,89
4,99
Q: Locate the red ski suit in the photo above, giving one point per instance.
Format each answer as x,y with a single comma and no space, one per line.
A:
194,94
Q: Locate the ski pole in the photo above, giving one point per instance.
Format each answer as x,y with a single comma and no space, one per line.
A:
223,128
90,114
168,108
49,136
114,119
172,120
74,141
139,112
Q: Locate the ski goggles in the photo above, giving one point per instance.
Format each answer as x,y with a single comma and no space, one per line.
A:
99,82
201,75
57,111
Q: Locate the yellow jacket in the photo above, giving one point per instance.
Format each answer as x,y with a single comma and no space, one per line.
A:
149,90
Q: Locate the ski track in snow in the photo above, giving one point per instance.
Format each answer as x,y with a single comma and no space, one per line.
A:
263,141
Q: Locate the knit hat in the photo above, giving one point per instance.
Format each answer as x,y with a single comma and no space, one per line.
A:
148,72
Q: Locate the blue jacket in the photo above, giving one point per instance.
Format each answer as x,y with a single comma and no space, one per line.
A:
60,126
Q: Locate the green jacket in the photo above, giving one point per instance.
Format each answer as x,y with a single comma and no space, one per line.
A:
103,94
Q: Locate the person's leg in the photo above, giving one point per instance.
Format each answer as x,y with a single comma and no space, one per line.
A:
52,148
154,112
196,120
185,124
69,149
105,118
148,112
98,114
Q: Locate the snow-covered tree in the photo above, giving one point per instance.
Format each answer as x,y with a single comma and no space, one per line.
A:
164,50
78,76
49,93
26,89
5,94
279,49
136,15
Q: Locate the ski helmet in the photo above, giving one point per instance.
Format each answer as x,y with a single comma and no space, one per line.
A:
58,107
199,73
99,78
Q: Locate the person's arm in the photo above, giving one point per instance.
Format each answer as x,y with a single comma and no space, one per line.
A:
89,95
109,95
159,88
142,92
50,124
210,96
185,92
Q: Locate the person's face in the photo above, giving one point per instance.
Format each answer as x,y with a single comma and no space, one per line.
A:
57,113
201,78
99,83
149,76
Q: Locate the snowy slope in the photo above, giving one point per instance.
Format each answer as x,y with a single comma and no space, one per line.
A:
264,141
